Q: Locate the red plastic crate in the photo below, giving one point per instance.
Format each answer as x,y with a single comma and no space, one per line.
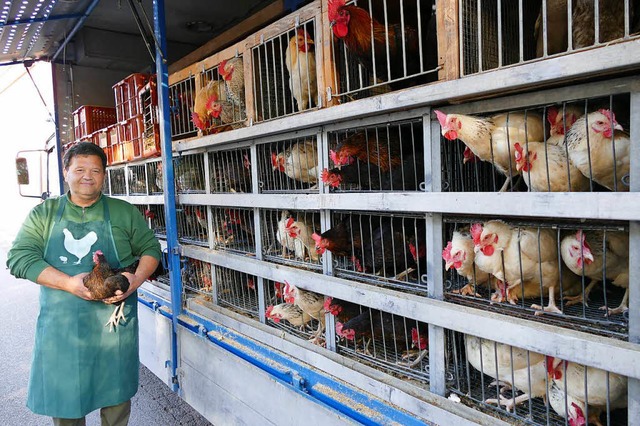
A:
126,95
88,118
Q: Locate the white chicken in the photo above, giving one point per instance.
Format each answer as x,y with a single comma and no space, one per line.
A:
492,139
588,385
287,311
521,369
301,64
599,148
79,247
584,253
459,254
526,259
299,162
561,403
296,236
311,303
546,168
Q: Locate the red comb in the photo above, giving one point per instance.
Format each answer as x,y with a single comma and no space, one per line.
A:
334,7
476,231
442,117
518,153
446,253
325,175
327,303
212,100
552,115
317,238
197,121
609,114
334,156
222,68
290,222
274,159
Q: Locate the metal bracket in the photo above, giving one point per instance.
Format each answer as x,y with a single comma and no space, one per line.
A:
177,250
202,331
261,38
328,94
297,21
298,381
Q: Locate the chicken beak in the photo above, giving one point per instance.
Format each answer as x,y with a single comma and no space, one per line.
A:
618,127
588,256
448,265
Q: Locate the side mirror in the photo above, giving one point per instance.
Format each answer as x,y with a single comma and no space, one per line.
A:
22,171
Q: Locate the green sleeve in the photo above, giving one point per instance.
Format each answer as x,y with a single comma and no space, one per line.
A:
26,256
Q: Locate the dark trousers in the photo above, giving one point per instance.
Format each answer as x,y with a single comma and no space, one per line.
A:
116,415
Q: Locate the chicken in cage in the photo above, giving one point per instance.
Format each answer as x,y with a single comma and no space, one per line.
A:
189,174
181,96
155,215
137,177
383,250
529,264
193,225
154,175
283,311
391,342
577,146
531,386
284,73
230,171
382,44
311,304
237,291
196,278
289,165
233,230
288,237
117,179
386,157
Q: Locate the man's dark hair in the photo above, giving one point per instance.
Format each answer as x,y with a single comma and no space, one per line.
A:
84,148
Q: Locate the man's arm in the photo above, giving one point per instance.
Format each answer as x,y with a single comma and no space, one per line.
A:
52,278
146,267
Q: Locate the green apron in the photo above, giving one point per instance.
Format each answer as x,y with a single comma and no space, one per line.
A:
78,365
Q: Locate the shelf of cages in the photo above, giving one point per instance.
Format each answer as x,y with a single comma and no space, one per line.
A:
286,58
570,273
230,171
234,230
236,291
289,165
376,47
287,237
193,224
577,144
528,387
383,157
189,171
182,92
154,213
494,34
135,179
383,249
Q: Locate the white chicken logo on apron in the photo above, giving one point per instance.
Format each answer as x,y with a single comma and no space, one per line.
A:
78,247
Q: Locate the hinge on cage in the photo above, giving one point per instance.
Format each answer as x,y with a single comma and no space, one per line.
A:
297,22
261,38
202,64
298,381
237,53
328,94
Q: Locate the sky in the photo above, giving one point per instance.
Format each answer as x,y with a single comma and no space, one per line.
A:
24,124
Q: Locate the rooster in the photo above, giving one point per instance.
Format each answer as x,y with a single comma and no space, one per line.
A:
600,149
515,367
585,252
599,389
103,282
202,111
346,237
79,247
610,26
492,139
401,42
232,71
299,162
289,312
459,254
366,147
301,64
341,309
546,168
311,303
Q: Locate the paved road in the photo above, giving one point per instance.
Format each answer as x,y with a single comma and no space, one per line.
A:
154,405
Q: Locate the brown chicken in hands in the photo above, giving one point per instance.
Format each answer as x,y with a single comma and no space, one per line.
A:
515,367
301,64
103,282
493,139
299,162
594,138
600,389
460,255
546,168
310,303
355,27
530,259
232,71
584,253
289,312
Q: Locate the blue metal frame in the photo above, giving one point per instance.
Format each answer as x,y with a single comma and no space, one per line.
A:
16,22
168,182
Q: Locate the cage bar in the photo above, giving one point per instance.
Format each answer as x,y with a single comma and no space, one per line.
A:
287,237
233,230
155,215
289,165
189,174
193,225
230,170
118,181
196,279
181,97
237,291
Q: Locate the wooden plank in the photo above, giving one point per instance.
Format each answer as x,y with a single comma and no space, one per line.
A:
283,25
249,99
447,22
257,20
330,78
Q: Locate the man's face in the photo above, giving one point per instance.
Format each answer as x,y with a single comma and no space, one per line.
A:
85,177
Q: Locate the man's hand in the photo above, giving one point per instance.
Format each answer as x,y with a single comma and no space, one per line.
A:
134,283
75,286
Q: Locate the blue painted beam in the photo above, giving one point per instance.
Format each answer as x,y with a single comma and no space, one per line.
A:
17,22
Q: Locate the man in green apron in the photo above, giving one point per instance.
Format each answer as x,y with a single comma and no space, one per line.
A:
78,364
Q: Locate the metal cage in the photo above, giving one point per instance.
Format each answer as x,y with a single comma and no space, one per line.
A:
230,171
189,174
289,165
233,230
237,291
287,237
181,97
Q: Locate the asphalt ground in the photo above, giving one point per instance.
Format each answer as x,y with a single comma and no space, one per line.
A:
154,404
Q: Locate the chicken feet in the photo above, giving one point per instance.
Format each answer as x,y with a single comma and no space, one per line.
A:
581,298
468,290
116,317
407,356
623,307
509,403
551,307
